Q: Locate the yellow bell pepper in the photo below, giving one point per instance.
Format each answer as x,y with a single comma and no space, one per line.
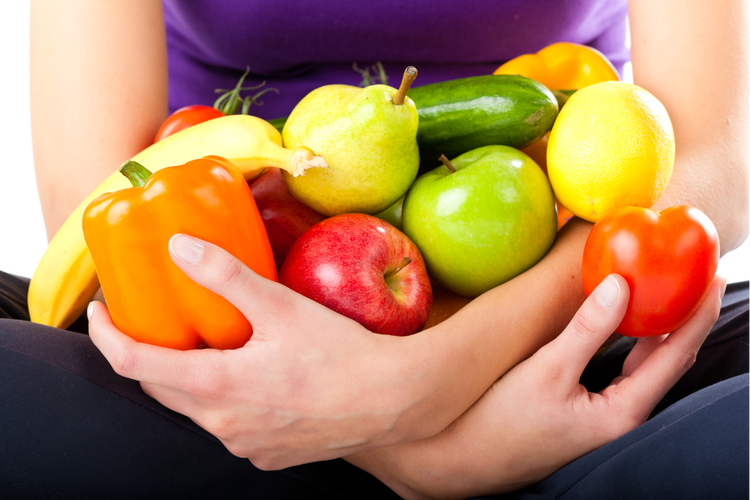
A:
562,66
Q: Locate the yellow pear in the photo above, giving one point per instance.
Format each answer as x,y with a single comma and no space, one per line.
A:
368,137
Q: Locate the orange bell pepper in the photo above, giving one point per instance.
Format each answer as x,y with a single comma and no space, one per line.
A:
562,66
128,231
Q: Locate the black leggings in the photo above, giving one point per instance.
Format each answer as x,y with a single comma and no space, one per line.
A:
72,428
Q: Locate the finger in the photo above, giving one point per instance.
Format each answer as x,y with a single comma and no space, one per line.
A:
642,349
594,322
658,373
173,399
179,402
187,371
212,267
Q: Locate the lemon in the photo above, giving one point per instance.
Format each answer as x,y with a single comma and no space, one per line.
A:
611,146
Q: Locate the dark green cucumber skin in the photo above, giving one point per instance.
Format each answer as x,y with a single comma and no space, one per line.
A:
457,116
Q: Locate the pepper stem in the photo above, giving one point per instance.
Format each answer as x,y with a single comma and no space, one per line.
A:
399,267
136,173
445,161
409,75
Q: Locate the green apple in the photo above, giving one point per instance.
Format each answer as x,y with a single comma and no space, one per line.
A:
485,222
393,214
368,137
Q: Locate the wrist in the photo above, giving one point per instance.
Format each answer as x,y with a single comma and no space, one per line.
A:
406,388
437,374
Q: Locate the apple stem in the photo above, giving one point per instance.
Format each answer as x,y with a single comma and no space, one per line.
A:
447,163
399,267
409,75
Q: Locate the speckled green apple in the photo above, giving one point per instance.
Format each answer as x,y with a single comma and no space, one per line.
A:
483,224
368,140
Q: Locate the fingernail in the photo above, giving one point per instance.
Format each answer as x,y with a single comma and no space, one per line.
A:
90,310
607,292
186,248
723,288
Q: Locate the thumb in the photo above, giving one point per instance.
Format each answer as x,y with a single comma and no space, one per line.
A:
217,270
592,324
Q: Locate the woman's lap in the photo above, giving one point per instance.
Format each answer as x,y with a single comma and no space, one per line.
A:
697,448
73,427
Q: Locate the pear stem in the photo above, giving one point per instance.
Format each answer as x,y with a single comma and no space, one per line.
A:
399,267
409,75
447,163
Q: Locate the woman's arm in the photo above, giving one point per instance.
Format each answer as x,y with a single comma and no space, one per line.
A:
98,93
353,391
538,417
311,386
694,57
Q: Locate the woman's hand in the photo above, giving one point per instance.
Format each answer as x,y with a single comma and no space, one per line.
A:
310,384
538,418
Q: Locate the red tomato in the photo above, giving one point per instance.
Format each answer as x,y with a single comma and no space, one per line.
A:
668,258
186,117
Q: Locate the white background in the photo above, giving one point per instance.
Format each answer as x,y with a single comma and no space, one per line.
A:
22,236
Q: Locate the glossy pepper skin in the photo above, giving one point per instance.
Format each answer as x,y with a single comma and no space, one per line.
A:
128,232
562,66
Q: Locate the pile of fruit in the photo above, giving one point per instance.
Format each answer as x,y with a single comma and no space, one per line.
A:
371,199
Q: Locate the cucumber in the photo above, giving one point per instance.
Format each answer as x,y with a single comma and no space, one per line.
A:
457,116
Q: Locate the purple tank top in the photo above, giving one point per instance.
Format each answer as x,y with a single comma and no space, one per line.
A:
297,46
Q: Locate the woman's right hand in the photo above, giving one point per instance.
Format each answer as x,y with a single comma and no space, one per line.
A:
313,385
309,385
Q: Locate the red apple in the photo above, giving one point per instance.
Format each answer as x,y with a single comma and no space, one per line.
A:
284,216
364,268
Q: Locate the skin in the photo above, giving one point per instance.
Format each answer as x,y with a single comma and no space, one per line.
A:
712,150
540,402
110,107
306,409
294,393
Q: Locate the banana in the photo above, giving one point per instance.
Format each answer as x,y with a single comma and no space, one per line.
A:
65,280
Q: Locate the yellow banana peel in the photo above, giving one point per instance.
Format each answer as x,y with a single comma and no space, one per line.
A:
65,280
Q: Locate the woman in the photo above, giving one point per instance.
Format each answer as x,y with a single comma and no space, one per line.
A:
294,394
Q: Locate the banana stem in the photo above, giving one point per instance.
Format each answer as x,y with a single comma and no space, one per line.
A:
409,75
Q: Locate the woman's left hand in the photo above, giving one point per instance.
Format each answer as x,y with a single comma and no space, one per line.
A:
538,417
